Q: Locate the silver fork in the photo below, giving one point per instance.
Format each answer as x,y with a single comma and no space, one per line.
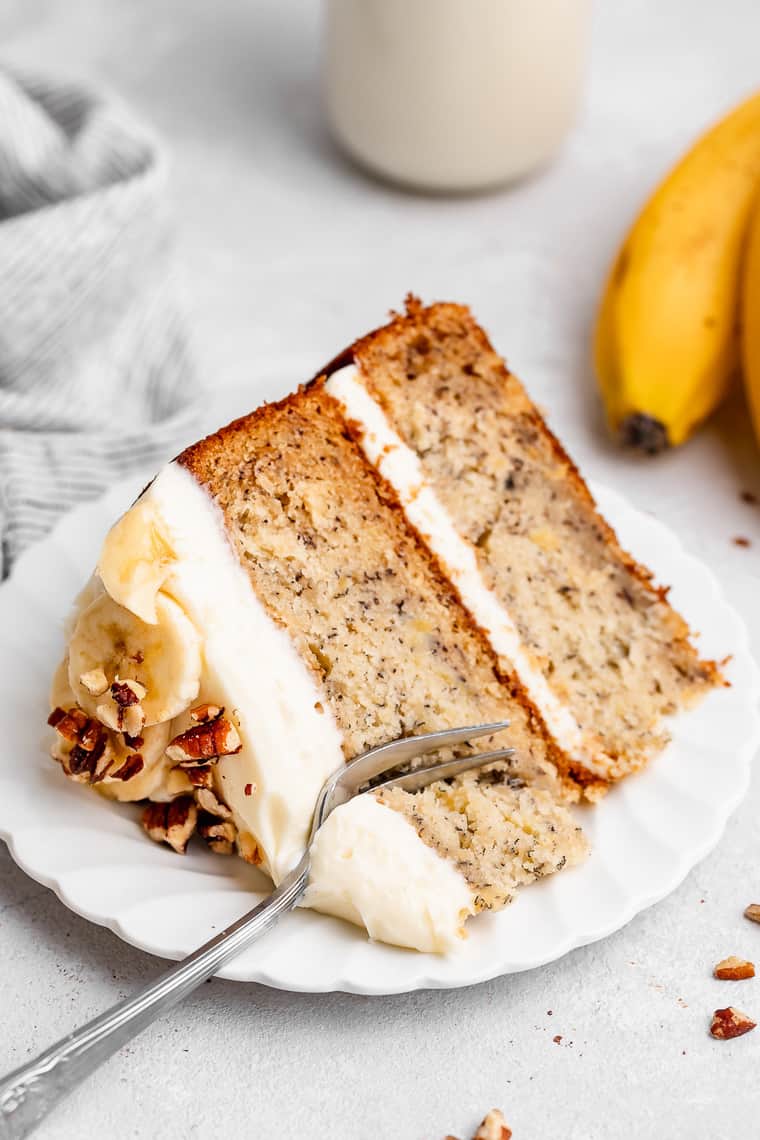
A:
29,1093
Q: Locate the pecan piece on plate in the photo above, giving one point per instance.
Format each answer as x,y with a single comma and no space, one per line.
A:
734,969
172,822
730,1022
752,912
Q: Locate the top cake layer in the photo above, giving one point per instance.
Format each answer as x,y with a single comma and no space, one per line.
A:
593,641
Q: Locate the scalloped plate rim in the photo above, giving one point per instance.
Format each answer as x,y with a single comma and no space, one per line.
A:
574,939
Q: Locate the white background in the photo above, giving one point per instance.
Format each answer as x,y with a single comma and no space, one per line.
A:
287,252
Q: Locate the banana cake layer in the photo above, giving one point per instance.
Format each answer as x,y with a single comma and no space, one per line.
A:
596,645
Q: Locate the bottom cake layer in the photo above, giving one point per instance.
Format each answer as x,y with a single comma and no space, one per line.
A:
412,868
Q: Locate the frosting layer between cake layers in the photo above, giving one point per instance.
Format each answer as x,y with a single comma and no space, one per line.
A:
401,467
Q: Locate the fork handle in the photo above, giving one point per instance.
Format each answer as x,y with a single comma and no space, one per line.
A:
29,1093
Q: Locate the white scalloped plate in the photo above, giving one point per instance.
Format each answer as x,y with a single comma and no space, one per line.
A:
646,835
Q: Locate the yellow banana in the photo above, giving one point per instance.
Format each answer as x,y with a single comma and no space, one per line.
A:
750,322
666,344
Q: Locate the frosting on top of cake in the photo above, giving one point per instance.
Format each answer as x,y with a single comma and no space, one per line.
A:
401,467
173,543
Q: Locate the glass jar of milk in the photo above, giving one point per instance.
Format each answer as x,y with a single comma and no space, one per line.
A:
454,95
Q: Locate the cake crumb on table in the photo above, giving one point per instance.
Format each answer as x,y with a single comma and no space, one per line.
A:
740,540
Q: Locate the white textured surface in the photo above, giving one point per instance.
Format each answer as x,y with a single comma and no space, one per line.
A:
288,254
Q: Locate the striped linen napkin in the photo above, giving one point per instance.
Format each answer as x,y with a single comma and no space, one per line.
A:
96,377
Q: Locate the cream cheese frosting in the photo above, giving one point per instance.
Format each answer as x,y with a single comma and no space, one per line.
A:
369,866
172,544
401,467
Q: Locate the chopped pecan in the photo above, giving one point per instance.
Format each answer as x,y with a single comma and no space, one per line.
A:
128,692
494,1127
68,724
171,823
752,912
132,765
90,753
88,764
132,721
205,741
91,736
205,712
210,802
200,776
249,849
94,681
220,834
733,969
730,1022
121,710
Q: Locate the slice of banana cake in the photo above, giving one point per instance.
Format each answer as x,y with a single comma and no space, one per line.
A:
399,547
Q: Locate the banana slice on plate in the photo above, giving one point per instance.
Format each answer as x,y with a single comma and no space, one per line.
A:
165,658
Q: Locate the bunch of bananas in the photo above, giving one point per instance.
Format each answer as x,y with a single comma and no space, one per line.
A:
680,315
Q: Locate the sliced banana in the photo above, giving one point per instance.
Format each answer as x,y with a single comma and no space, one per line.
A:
137,558
165,658
92,589
156,768
61,695
154,772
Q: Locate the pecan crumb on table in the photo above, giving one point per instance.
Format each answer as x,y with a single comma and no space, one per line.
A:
730,1022
493,1127
734,969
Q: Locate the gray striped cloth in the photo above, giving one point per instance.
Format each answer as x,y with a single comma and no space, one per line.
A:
95,374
